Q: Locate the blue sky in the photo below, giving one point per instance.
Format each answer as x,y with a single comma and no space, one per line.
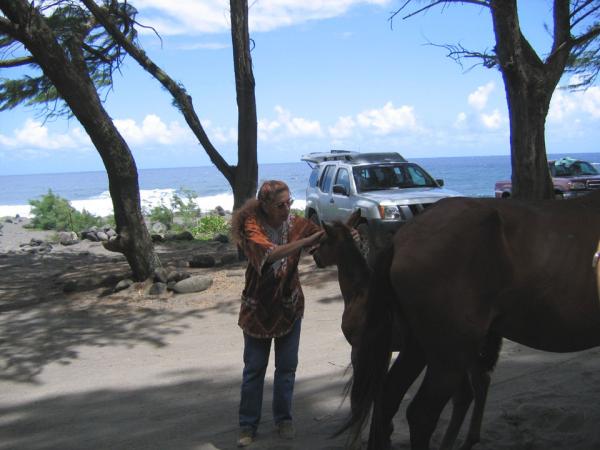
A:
331,74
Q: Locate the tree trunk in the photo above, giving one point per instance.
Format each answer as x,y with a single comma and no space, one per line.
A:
71,79
246,173
527,114
529,83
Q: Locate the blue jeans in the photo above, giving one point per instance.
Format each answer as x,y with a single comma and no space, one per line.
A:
256,359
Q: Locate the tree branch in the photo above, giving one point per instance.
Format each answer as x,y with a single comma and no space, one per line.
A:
182,99
17,62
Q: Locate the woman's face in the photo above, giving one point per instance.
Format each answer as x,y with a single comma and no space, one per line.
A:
278,210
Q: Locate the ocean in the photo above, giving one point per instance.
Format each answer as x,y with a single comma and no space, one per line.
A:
472,176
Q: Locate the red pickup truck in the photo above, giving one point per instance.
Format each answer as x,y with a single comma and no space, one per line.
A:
570,177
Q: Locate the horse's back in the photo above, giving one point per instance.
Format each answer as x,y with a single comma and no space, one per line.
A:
523,268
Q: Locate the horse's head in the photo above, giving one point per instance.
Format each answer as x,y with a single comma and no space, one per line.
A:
337,235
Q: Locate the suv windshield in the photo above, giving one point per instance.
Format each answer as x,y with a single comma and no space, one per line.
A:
396,176
571,168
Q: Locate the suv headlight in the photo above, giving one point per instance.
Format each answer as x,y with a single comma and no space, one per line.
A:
576,185
389,212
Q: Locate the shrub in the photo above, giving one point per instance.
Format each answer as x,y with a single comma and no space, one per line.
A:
210,225
162,214
53,212
186,208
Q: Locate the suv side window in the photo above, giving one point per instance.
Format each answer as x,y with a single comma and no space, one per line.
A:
314,176
343,178
325,184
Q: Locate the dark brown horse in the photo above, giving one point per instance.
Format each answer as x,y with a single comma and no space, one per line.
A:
460,274
339,248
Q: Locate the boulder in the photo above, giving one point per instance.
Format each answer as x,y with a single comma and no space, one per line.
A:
102,236
68,238
157,288
158,228
177,275
229,258
223,238
202,261
197,283
161,275
220,211
123,284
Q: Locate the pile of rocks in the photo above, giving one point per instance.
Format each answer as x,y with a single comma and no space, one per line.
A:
173,280
99,234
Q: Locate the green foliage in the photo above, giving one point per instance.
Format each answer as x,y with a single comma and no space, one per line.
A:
186,209
162,214
82,38
210,225
297,212
53,212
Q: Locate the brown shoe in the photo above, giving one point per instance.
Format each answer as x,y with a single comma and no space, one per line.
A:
246,437
286,430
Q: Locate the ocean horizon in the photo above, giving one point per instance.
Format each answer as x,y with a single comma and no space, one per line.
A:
469,175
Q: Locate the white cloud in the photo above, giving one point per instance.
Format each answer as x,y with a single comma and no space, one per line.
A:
460,121
152,130
286,125
388,119
492,121
565,105
210,16
478,99
343,128
35,135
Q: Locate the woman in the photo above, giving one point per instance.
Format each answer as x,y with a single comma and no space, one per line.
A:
272,302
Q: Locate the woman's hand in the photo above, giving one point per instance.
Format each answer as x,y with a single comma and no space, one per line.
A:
313,238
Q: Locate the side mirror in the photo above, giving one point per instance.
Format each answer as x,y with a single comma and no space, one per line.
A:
440,182
340,189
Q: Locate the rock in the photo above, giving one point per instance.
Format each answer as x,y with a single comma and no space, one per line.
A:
157,288
123,284
171,285
157,238
70,286
158,228
198,283
229,258
102,236
223,238
220,211
109,280
202,261
177,276
111,233
89,235
160,275
68,238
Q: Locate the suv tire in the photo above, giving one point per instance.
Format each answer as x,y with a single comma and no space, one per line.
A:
314,218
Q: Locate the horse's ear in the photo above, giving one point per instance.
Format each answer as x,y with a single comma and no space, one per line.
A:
354,218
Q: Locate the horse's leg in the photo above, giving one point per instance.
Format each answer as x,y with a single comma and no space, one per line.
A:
461,401
405,370
424,411
480,382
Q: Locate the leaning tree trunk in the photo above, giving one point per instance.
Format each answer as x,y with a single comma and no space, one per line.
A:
246,173
72,81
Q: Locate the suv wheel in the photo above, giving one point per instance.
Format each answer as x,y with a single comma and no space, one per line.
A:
314,218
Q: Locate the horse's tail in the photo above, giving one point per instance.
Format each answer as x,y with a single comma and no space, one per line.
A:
374,352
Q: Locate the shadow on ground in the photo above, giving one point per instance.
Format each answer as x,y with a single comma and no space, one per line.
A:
186,415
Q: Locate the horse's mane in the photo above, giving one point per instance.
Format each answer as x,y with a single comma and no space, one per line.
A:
350,249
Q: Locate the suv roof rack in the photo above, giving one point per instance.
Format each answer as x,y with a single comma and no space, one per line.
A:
352,157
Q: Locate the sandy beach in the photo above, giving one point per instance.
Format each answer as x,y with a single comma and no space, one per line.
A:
95,369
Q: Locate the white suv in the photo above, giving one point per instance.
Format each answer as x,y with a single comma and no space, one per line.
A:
387,189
